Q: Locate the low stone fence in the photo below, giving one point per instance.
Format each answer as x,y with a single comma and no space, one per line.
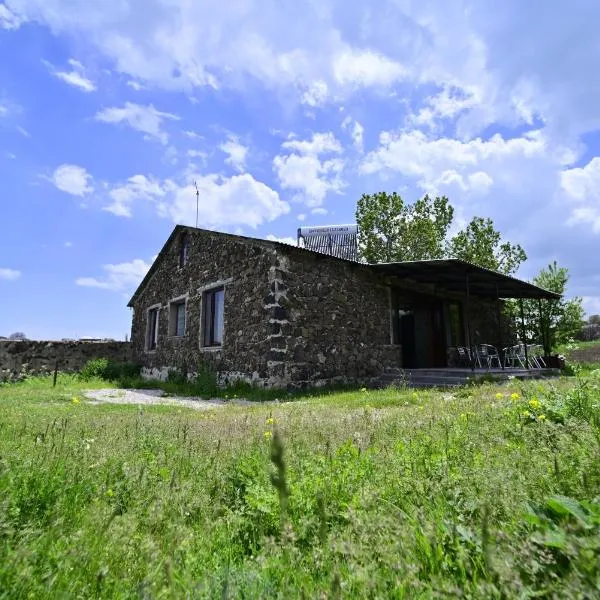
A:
18,358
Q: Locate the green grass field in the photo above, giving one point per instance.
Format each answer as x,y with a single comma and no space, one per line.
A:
484,492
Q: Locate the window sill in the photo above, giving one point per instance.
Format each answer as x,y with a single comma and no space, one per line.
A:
150,351
176,337
210,348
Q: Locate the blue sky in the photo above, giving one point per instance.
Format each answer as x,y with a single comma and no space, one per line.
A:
284,112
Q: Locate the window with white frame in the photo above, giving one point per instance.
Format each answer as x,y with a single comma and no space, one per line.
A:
152,328
213,304
177,317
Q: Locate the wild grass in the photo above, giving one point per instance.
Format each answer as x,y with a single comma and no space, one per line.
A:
483,492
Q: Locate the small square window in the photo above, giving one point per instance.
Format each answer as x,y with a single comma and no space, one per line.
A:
177,318
213,303
152,328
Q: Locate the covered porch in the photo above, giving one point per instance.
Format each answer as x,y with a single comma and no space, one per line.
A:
447,314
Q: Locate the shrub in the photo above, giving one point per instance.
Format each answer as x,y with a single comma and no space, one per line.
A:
103,368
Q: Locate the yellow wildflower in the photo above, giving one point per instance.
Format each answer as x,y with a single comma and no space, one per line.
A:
534,403
110,493
514,396
270,421
499,396
268,435
542,417
75,400
363,389
526,414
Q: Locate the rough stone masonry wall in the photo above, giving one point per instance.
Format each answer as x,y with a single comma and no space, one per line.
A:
18,358
243,268
329,322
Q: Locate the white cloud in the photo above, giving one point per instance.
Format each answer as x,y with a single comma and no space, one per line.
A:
146,119
73,180
224,202
9,274
367,68
23,131
283,240
356,131
8,19
68,244
582,186
75,77
439,162
303,169
138,187
236,153
316,94
319,211
120,277
318,144
3,110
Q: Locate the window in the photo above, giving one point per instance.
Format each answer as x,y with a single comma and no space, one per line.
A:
212,317
184,243
177,318
152,328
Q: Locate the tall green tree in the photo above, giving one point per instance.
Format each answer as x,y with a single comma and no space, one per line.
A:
559,320
481,244
391,230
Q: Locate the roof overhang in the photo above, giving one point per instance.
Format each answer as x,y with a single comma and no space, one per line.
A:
453,275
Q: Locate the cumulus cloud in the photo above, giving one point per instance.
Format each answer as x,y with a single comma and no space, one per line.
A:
145,119
356,131
75,77
138,187
9,274
303,169
582,186
236,152
366,68
72,179
224,202
283,240
120,277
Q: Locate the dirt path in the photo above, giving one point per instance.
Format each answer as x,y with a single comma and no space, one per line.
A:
156,397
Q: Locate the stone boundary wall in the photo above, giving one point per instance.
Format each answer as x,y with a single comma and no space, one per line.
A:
18,358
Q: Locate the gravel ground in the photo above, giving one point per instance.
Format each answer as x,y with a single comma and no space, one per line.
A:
115,396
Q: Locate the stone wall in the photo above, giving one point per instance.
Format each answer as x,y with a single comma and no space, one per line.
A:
33,357
330,322
291,318
243,269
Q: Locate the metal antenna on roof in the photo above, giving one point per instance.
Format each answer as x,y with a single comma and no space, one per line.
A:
197,201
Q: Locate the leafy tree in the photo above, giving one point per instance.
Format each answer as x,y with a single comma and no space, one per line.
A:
392,231
594,320
481,244
560,320
19,335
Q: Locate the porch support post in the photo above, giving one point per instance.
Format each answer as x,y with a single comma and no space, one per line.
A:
542,328
523,338
468,311
499,317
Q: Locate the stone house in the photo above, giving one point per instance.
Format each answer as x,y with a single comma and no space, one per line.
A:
281,316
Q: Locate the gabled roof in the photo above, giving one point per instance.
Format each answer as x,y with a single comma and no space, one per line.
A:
449,274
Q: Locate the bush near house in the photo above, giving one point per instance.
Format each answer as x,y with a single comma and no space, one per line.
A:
485,492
